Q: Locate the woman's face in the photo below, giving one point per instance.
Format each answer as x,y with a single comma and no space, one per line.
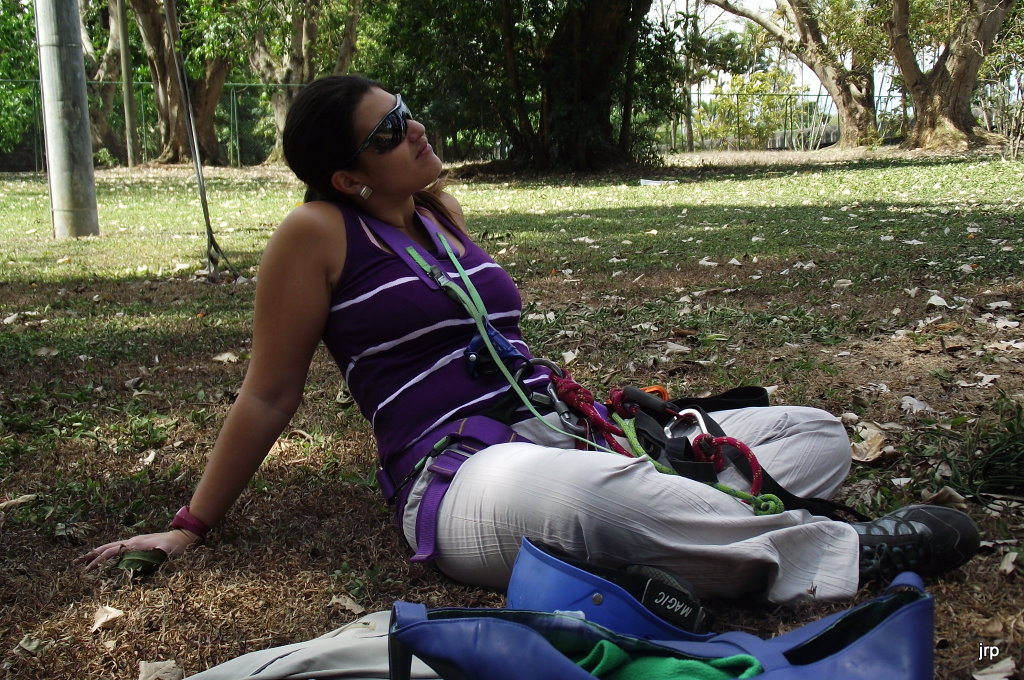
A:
403,170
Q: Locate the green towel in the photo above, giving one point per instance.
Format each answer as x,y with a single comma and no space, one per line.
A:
609,661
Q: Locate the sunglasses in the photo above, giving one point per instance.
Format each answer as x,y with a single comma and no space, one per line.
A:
389,132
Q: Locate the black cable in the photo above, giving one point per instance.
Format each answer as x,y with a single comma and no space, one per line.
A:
214,255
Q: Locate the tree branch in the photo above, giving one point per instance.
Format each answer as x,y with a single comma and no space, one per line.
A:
902,50
88,49
261,60
347,48
761,20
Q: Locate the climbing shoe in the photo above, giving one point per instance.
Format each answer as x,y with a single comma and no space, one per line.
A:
927,539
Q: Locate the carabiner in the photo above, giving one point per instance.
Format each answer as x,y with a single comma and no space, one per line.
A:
689,415
551,365
568,419
526,370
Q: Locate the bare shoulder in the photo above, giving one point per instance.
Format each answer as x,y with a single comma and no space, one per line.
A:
316,220
454,209
313,233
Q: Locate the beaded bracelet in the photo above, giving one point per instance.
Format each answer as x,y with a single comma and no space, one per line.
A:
184,519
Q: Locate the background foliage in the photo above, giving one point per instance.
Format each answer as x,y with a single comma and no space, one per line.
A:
488,80
18,64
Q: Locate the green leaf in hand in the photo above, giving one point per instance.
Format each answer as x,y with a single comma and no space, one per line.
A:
142,562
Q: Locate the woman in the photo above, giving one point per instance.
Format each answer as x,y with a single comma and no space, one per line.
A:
340,269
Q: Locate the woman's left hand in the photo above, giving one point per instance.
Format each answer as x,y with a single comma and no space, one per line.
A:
173,542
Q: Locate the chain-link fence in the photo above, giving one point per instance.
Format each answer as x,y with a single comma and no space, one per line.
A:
782,121
244,123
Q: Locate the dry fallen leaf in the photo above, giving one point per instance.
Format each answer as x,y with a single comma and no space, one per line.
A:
672,348
33,645
1004,670
986,381
945,496
913,405
20,500
1006,345
872,447
105,617
226,358
348,604
1008,563
160,670
994,628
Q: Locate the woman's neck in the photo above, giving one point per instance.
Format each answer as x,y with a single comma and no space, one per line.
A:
398,214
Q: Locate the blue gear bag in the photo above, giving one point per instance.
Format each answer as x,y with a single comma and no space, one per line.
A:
887,637
645,607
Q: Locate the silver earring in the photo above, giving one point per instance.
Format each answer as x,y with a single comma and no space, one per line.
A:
365,192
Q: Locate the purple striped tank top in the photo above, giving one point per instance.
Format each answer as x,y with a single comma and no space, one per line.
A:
399,339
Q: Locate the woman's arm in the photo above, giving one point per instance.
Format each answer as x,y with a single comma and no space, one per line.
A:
297,273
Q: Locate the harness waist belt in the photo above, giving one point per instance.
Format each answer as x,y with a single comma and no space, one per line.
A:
441,451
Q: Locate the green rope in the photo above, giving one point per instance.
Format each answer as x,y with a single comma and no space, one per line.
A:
765,504
628,427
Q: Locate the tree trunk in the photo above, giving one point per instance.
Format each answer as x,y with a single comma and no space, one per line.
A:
688,119
288,70
347,48
628,87
205,97
854,97
535,142
942,95
103,71
578,72
172,117
296,65
170,109
286,73
280,102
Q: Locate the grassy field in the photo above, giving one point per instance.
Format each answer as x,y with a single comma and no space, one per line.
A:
884,286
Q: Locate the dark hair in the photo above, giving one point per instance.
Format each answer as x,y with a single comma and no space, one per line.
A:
319,140
318,132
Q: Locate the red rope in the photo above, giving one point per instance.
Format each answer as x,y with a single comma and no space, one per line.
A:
710,448
581,400
617,403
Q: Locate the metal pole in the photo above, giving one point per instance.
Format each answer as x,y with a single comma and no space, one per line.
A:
234,134
131,134
739,134
38,144
66,120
